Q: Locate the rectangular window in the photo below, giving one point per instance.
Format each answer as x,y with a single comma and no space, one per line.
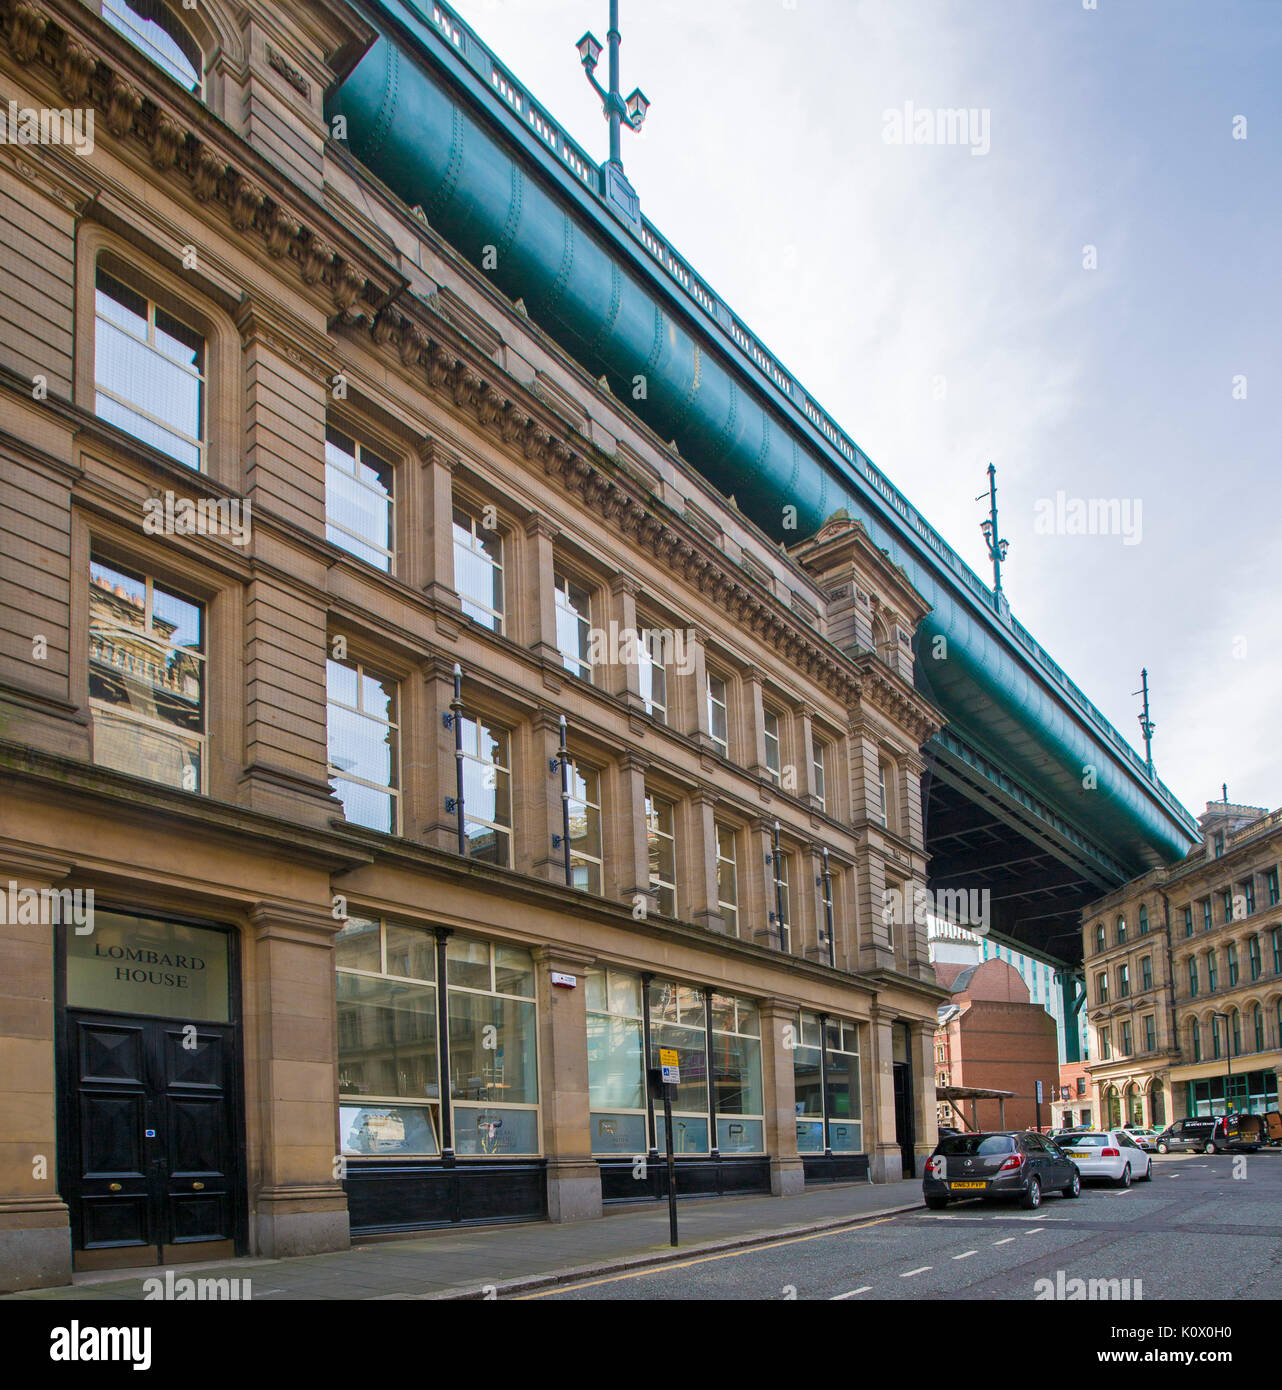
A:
781,908
493,1029
389,1085
1099,937
1127,1049
478,568
728,879
149,372
652,673
1101,987
1105,1044
359,506
616,1063
662,846
1248,892
819,774
736,1075
1271,878
1206,914
1123,981
718,715
773,761
1192,977
1277,953
1230,952
585,828
1150,1033
1188,921
487,791
364,745
1253,953
677,1022
1227,901
1211,974
1146,972
146,678
880,812
573,626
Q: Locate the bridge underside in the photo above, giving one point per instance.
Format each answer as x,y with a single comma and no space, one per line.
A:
986,833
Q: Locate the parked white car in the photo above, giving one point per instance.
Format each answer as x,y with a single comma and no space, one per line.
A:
1145,1138
1110,1154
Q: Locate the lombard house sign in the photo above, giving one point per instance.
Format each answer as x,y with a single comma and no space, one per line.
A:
144,965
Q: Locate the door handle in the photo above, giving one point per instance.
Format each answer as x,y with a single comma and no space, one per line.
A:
198,1187
114,1187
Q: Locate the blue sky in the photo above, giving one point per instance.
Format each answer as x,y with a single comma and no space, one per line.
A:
936,300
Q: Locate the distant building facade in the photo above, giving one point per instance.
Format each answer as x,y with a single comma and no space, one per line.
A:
1184,978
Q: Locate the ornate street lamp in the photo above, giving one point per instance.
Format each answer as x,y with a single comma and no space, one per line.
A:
997,547
618,112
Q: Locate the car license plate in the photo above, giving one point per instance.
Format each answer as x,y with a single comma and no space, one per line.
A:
958,1186
1077,1153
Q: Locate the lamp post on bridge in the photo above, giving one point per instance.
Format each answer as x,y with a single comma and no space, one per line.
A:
618,112
997,547
1146,724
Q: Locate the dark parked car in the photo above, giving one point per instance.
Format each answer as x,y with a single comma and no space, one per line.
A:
1008,1163
1208,1134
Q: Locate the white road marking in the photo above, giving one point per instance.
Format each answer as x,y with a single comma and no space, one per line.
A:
966,1254
1036,1231
837,1297
909,1274
1007,1241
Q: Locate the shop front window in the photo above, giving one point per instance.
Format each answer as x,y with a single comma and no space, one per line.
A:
839,1101
493,1047
388,1072
616,1063
677,1022
736,1075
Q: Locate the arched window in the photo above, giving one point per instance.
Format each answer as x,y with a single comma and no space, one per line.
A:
1112,1108
154,29
1121,931
1157,1104
1099,936
1258,1021
1195,1040
1134,1107
1143,919
1235,1023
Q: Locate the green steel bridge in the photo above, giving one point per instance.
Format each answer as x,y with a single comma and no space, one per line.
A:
1031,792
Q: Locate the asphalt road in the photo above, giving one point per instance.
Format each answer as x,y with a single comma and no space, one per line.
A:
1204,1228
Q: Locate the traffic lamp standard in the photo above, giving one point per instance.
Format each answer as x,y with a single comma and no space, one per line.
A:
997,547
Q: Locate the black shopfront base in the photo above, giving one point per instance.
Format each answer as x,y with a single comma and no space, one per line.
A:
835,1168
696,1177
389,1197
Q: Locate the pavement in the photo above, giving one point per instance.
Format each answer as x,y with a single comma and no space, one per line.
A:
472,1262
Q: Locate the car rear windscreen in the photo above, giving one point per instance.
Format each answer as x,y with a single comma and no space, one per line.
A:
1086,1141
973,1145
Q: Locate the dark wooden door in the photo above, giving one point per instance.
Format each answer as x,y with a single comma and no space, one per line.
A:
152,1163
905,1134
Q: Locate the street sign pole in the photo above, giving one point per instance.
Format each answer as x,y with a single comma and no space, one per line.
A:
1039,1107
664,1079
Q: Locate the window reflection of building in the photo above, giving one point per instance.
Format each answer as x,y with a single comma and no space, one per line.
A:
839,1102
487,790
585,828
146,678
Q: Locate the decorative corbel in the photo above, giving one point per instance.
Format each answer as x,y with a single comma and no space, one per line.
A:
283,229
208,172
78,65
166,136
245,203
318,256
383,329
350,284
412,344
27,25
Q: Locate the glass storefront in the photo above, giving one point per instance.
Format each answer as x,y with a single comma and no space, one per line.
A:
679,1021
832,1052
388,1043
1251,1093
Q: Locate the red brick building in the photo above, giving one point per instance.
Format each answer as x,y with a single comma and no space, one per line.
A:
990,1034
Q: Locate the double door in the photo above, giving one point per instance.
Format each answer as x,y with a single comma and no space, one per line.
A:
151,1156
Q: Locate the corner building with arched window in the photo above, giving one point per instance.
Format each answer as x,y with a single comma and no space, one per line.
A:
437,744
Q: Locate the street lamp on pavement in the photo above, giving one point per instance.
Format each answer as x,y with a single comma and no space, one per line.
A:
1228,1053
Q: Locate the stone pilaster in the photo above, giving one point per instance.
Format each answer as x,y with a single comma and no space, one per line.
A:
622,678
35,1231
886,1164
537,599
297,1206
778,1040
573,1176
537,799
693,699
697,862
432,778
428,555
625,831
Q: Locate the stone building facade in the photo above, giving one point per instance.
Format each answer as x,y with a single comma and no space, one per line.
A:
1184,978
305,530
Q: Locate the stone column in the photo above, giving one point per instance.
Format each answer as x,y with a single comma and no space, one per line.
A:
806,756
297,1206
35,1229
884,1156
427,555
536,809
693,701
778,1039
622,678
624,830
430,780
925,1120
751,729
757,886
697,862
536,620
574,1177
